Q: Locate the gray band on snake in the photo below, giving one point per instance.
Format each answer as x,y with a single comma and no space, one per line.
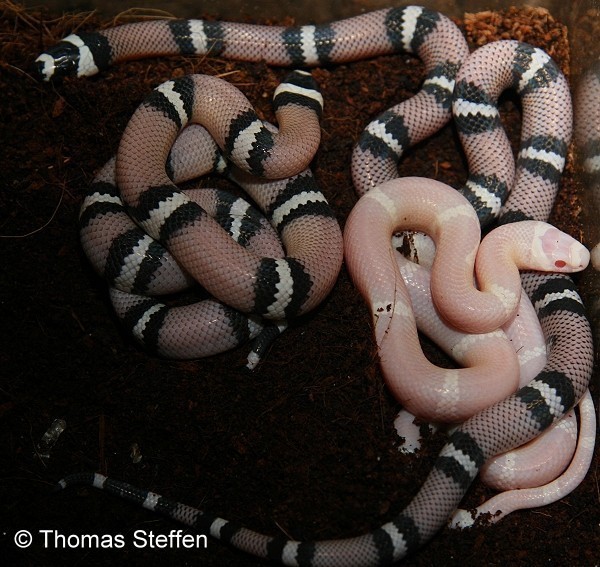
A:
533,408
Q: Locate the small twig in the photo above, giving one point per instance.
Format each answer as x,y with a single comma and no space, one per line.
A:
84,18
40,228
540,513
141,14
22,71
285,532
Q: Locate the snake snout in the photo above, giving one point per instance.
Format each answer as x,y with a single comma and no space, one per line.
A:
59,61
566,253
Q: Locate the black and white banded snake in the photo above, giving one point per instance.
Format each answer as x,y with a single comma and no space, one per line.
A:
552,393
136,265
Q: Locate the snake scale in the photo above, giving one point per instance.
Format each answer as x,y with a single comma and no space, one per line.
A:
438,42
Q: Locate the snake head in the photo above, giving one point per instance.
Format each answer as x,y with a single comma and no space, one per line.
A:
61,60
563,252
77,55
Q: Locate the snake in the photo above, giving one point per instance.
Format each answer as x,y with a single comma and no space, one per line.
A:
430,206
538,462
535,185
527,476
134,260
544,400
558,487
138,268
272,288
540,160
500,361
535,466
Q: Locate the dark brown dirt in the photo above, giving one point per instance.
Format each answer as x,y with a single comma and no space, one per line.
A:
303,446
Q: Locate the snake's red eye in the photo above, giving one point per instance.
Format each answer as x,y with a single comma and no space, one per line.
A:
560,263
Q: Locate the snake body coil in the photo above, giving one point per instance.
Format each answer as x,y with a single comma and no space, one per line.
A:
274,288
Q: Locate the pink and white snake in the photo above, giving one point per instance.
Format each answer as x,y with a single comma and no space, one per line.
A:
500,427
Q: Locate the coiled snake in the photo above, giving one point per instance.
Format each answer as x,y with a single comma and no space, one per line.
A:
534,407
271,288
